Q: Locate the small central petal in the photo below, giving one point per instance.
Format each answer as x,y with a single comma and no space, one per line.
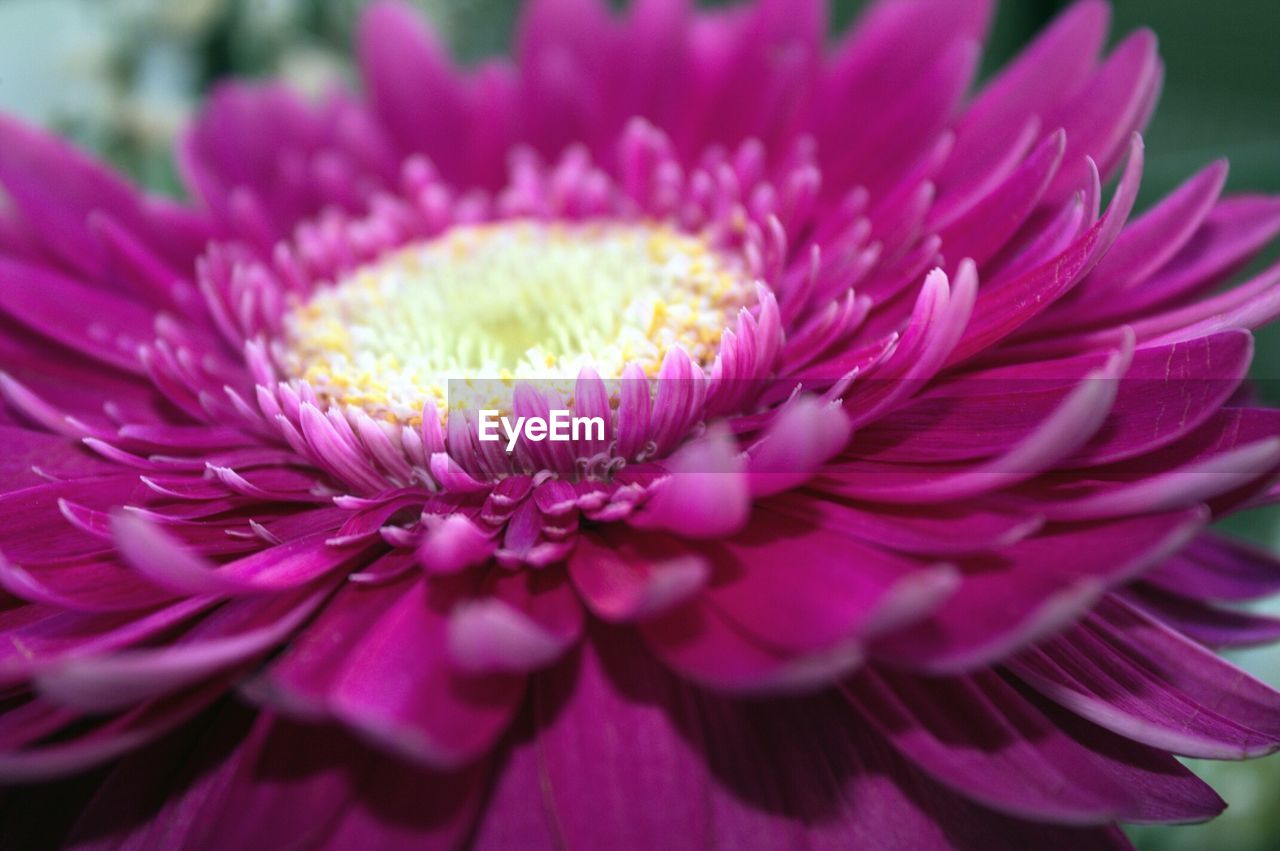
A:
513,300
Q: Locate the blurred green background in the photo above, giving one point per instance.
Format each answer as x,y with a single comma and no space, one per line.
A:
120,76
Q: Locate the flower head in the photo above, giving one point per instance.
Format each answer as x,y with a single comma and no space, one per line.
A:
893,532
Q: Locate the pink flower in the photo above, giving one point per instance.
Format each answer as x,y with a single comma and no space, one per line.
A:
896,535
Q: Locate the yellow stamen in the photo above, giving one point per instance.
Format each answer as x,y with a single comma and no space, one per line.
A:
509,301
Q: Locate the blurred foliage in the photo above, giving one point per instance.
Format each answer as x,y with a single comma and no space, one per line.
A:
121,76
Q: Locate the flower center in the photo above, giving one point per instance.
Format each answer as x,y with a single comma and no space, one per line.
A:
512,300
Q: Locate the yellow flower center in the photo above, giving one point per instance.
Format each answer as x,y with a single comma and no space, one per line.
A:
509,301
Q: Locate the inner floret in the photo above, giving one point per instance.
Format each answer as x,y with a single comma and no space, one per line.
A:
514,300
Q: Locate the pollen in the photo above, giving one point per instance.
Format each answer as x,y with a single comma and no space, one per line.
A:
512,301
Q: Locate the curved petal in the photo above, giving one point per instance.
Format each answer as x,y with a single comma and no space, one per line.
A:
1033,588
521,622
613,729
981,736
1124,670
624,577
399,688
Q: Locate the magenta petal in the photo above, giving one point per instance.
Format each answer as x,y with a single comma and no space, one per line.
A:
1219,568
35,636
936,531
1033,588
1003,309
203,799
242,780
979,413
1180,698
58,187
615,729
802,589
634,577
790,608
23,452
1115,103
1008,204
1147,244
405,65
525,622
1195,377
1064,430
232,635
1206,477
1046,72
1232,233
114,737
452,543
982,737
82,586
157,556
440,716
1214,626
700,643
804,436
97,324
299,680
705,493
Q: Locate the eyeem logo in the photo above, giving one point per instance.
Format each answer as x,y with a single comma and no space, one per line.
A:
560,426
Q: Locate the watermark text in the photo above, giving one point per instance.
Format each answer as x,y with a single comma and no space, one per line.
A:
560,426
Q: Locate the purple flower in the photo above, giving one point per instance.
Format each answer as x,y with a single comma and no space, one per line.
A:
895,534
